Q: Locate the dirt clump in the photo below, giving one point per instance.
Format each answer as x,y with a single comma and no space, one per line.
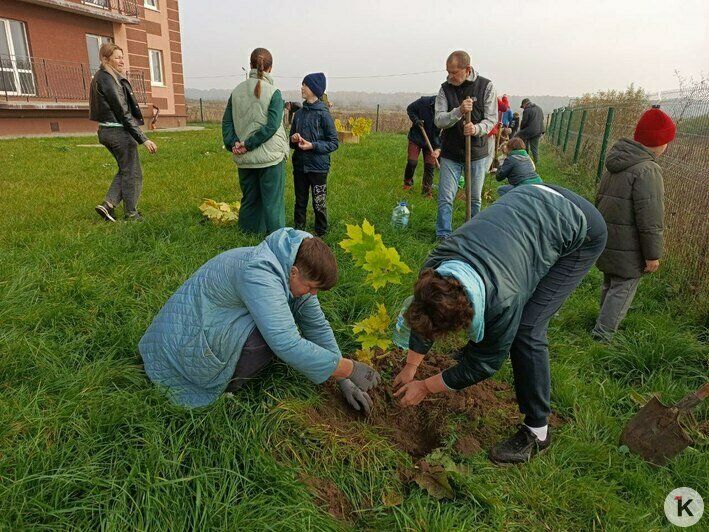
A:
467,445
330,497
479,415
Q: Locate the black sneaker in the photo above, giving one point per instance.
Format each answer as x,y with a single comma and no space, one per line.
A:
519,448
106,212
134,216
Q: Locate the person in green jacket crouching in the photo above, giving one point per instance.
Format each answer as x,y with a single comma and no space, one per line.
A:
242,309
252,129
501,277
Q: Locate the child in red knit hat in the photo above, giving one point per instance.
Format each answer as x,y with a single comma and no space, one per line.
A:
631,199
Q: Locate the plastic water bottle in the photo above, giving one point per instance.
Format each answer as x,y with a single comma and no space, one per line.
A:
401,330
400,216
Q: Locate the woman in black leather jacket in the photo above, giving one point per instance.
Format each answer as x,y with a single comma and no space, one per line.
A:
113,105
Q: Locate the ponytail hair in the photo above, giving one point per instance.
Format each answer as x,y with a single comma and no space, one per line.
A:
262,61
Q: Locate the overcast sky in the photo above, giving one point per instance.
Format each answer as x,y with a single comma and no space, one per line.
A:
526,47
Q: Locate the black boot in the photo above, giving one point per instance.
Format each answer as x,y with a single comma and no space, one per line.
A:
409,174
519,448
427,185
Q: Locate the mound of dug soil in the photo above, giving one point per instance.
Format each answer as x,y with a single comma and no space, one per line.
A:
420,429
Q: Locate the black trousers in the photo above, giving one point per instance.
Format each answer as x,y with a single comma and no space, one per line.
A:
255,356
305,183
529,352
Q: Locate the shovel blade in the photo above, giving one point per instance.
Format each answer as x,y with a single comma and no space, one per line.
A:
655,434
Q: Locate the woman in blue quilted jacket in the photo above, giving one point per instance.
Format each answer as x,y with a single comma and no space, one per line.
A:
242,309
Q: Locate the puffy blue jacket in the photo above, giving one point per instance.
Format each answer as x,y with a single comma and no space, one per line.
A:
193,344
314,123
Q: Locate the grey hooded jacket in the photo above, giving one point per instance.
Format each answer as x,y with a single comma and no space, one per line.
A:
631,200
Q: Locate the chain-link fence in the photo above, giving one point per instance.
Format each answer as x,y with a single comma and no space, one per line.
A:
583,134
383,121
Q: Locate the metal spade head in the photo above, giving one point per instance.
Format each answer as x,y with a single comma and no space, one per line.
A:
655,433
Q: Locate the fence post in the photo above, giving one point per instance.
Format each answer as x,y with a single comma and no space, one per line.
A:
550,128
560,129
201,111
555,124
376,127
577,150
568,130
604,144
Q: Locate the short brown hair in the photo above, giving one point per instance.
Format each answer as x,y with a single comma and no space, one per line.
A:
515,143
107,49
317,263
440,306
460,58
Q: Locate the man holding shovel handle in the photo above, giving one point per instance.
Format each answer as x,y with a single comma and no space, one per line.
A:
464,140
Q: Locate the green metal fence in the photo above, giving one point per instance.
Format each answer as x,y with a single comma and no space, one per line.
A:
583,136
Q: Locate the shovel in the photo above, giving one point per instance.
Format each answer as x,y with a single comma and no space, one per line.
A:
655,433
428,143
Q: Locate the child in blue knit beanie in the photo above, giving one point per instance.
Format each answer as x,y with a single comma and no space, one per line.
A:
313,138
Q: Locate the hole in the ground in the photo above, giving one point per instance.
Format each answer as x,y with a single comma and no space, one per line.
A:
480,415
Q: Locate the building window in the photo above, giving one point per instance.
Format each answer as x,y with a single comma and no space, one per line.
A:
151,4
157,76
93,45
103,4
16,75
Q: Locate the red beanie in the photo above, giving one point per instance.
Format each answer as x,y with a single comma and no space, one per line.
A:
655,128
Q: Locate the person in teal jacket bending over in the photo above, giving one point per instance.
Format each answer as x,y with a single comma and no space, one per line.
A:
501,277
241,309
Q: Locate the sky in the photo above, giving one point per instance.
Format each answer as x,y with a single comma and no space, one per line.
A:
553,47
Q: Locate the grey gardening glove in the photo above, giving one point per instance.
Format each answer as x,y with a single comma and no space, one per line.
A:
355,397
364,376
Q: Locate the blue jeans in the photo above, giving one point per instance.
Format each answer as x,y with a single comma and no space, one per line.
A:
449,175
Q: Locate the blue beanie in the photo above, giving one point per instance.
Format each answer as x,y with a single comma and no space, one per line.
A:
315,82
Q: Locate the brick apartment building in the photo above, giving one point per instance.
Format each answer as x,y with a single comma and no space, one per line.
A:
49,53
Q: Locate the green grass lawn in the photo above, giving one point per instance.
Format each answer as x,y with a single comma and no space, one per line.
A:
87,443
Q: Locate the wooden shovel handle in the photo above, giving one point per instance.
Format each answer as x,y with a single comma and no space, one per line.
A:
694,399
428,143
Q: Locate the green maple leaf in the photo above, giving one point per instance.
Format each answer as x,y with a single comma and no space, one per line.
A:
361,240
374,329
384,266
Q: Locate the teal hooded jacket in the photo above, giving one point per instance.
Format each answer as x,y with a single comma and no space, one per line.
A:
192,346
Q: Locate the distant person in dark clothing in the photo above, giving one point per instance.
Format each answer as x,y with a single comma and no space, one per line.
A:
421,113
292,108
514,124
532,127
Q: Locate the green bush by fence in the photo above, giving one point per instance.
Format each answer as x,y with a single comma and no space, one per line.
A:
584,133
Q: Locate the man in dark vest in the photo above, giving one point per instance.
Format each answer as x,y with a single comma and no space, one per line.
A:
463,91
532,127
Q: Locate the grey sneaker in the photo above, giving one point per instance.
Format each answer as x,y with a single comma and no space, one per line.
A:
134,216
106,212
519,448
